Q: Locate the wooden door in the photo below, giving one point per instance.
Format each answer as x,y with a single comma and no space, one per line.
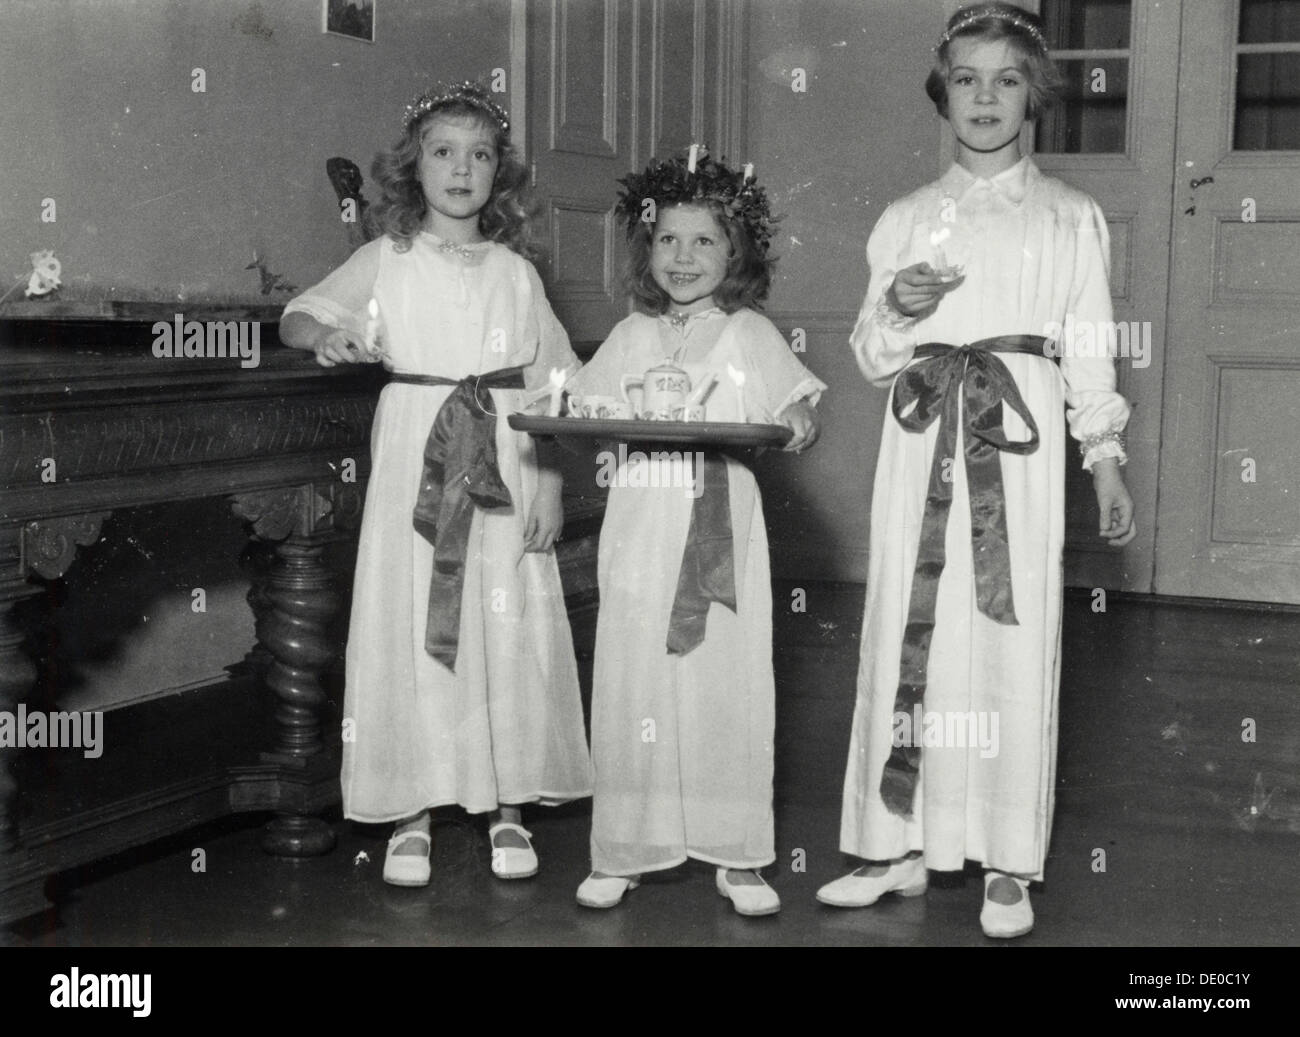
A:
611,84
1228,523
1113,137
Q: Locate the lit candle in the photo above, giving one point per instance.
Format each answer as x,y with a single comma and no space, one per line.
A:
372,329
737,377
692,158
937,238
749,172
557,391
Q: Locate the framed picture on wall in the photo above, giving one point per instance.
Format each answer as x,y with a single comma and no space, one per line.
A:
353,18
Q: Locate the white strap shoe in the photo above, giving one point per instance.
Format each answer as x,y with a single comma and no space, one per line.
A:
751,901
907,878
1006,921
606,891
408,869
512,862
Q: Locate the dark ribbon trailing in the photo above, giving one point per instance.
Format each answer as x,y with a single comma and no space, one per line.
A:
708,571
970,384
460,472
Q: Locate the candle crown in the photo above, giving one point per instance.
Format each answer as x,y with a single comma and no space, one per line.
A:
672,182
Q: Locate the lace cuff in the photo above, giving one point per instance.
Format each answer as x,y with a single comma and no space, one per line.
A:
889,317
1102,445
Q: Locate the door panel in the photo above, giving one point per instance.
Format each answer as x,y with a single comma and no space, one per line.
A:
614,82
1113,138
1229,514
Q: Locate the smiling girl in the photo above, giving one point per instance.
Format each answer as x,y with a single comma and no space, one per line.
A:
683,693
963,609
462,686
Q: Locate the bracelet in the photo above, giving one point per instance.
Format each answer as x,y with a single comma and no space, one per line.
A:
1097,439
1102,445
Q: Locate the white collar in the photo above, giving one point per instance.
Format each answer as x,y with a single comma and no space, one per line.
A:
1012,184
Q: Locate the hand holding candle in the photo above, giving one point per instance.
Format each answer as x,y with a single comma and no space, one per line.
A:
737,377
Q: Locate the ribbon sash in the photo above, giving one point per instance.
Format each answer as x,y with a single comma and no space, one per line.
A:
708,571
460,472
948,379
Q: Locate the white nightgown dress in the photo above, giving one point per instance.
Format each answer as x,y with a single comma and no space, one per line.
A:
506,727
682,744
1034,251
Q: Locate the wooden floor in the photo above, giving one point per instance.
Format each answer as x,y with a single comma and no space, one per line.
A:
1179,760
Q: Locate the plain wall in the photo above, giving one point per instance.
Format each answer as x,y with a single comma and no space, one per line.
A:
162,192
862,134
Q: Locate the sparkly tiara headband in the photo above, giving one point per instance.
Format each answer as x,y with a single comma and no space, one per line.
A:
475,95
978,14
697,179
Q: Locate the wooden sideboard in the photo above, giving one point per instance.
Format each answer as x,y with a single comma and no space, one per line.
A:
92,422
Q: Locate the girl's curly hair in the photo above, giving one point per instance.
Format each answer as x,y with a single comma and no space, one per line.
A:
401,209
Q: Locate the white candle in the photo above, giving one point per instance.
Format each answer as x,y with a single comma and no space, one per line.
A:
737,377
372,328
937,238
557,391
692,158
749,172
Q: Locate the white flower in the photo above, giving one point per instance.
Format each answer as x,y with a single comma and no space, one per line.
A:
45,274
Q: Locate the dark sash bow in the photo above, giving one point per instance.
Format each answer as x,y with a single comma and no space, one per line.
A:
971,380
708,571
460,471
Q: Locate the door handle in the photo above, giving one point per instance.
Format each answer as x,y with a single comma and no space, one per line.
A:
1202,180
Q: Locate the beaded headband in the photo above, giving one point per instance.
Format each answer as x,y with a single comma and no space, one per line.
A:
701,179
473,94
981,13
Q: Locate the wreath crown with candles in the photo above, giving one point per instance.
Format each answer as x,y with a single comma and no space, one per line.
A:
680,181
473,94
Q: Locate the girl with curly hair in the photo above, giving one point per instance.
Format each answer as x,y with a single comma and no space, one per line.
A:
462,688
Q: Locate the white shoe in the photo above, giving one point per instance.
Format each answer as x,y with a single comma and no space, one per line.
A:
512,862
1006,921
408,869
607,891
751,901
907,878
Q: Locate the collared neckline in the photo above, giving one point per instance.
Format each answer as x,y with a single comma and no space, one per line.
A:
1012,184
682,323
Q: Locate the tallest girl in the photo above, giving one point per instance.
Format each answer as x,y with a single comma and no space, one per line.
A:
972,278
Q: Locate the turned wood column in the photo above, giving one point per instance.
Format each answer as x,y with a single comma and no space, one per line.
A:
293,611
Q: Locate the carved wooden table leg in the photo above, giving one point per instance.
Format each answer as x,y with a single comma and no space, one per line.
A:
48,548
302,601
17,675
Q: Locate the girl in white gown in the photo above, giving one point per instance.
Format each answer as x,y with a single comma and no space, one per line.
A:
953,750
462,686
683,698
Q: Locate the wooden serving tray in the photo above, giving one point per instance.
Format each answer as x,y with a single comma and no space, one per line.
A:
694,433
